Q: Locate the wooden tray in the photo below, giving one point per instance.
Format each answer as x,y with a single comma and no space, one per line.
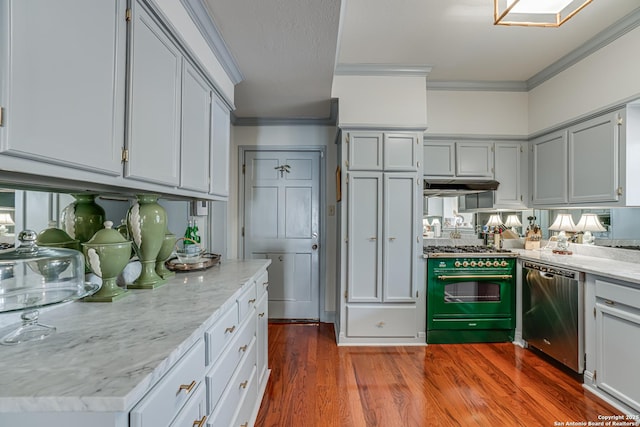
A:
206,260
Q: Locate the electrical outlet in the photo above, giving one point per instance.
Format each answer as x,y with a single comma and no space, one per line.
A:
332,210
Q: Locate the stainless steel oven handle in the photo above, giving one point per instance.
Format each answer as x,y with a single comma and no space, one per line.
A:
476,276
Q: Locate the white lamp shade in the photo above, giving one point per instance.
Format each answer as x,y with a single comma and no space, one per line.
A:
563,222
5,219
494,221
513,221
590,222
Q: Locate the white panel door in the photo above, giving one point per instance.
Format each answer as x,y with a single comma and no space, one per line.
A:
154,105
281,222
62,82
400,151
510,172
364,235
365,151
550,169
399,237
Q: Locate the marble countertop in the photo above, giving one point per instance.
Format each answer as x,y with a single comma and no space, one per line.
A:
106,356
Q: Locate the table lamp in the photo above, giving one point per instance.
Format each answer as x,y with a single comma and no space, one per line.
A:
589,222
5,219
563,223
512,222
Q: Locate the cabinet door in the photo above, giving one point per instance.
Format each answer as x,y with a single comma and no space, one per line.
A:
439,158
511,173
262,341
399,152
364,226
365,151
549,168
155,65
594,160
617,341
220,139
196,125
474,159
399,234
63,82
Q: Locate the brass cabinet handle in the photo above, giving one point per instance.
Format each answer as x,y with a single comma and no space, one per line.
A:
187,387
230,330
244,383
252,300
244,425
477,276
243,348
609,302
200,422
265,283
260,314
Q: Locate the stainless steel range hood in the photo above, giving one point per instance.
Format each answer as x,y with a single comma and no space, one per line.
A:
457,187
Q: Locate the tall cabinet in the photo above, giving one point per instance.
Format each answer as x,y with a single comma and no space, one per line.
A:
381,237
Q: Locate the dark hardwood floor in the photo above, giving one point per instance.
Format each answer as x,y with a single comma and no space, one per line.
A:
316,383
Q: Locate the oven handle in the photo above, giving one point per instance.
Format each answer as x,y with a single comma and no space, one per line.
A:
476,276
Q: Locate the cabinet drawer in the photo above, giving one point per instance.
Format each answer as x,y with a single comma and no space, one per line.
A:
246,302
194,411
249,400
616,293
226,365
166,398
378,321
221,333
237,388
262,284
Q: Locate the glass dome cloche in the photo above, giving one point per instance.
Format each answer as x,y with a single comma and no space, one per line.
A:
32,277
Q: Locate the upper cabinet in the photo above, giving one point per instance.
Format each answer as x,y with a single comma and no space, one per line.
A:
383,151
589,163
220,139
155,76
449,159
63,86
511,171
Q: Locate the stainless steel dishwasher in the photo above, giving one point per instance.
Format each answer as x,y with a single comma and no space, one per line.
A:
553,312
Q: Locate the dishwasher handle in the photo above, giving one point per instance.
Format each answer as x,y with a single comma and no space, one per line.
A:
549,271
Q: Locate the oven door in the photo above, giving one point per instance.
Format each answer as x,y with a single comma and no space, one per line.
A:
471,296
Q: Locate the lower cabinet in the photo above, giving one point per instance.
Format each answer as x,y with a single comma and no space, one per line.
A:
618,342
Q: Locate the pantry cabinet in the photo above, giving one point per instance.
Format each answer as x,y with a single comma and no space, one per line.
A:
617,313
62,89
383,151
155,77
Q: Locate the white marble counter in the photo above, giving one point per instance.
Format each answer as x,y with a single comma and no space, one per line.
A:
106,356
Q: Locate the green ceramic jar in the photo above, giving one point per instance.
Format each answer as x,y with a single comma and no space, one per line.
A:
165,252
82,218
57,238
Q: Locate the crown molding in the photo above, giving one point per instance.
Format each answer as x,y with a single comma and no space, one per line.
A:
381,70
331,120
504,86
199,14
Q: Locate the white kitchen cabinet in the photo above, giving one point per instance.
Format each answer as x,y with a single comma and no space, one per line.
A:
155,77
511,171
62,89
220,140
381,235
618,341
377,151
458,159
262,330
549,169
195,130
439,159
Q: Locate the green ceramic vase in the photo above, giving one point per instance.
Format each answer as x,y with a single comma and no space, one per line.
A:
165,252
147,225
82,218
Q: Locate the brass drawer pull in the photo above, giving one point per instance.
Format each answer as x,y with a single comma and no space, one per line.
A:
244,383
187,387
200,422
230,330
252,300
260,314
243,348
265,283
244,425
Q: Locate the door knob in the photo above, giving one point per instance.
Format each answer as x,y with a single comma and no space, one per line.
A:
314,247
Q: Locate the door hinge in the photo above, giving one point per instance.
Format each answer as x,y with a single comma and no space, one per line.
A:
620,120
493,170
125,155
493,149
346,294
595,375
619,191
417,294
127,15
594,312
347,139
244,168
1,116
521,149
242,231
346,163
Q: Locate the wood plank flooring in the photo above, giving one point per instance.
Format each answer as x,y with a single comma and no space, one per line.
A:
316,383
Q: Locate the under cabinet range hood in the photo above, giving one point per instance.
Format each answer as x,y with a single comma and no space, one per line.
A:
457,187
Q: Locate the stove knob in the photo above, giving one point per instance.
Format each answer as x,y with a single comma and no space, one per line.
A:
457,264
480,263
496,263
465,264
488,264
503,264
473,263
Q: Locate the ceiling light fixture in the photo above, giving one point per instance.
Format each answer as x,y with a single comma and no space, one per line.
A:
536,13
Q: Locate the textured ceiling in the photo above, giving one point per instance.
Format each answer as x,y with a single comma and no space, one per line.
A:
287,49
